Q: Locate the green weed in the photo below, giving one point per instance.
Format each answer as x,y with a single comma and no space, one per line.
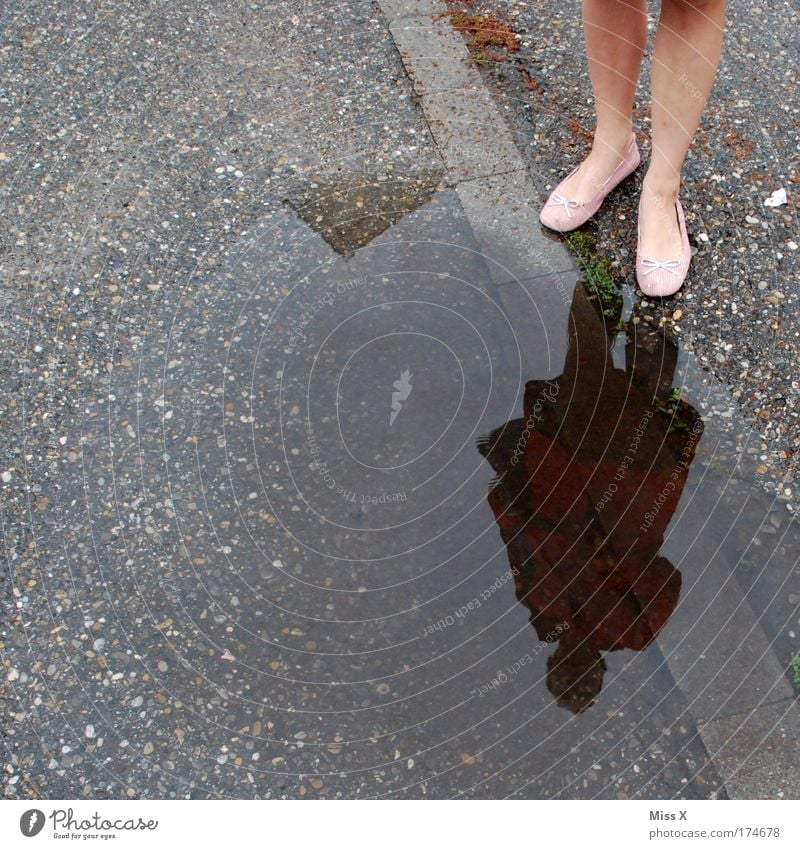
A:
598,273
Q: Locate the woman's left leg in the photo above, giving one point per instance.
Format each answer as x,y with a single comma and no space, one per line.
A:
686,55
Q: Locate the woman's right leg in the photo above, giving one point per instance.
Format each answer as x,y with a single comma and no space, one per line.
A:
615,34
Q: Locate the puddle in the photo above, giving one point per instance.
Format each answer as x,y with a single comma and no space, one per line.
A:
383,502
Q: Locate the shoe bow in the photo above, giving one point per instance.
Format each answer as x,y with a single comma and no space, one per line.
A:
667,264
559,200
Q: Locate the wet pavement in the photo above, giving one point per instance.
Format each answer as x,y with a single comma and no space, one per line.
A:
346,483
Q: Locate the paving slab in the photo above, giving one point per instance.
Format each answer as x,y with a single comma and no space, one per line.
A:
399,9
756,753
438,61
469,142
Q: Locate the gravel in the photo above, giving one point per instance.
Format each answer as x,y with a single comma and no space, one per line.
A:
739,308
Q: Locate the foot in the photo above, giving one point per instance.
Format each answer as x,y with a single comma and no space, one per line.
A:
659,230
598,166
663,253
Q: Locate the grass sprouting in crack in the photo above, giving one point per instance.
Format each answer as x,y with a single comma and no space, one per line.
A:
795,669
598,273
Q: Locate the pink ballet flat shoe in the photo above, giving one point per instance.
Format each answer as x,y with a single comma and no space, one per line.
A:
562,214
659,278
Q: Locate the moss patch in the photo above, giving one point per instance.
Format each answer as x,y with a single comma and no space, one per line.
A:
673,406
598,273
668,403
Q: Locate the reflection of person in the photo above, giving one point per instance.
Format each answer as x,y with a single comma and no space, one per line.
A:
686,54
587,483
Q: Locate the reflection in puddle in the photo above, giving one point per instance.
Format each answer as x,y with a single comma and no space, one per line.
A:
350,212
587,482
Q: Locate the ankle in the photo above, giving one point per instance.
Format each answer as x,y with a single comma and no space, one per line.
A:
615,138
665,189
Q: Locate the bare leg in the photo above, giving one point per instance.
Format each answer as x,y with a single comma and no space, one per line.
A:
615,32
686,54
